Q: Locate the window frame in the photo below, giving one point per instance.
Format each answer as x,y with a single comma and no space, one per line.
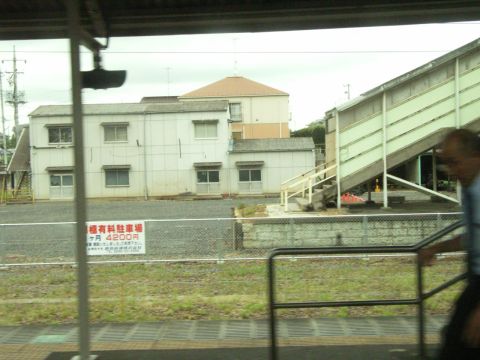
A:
240,113
250,175
115,127
208,171
254,186
204,123
116,170
62,188
208,186
59,128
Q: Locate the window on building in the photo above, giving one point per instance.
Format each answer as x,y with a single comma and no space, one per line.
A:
205,129
117,177
250,180
236,135
61,186
235,111
208,176
115,133
250,175
208,181
60,135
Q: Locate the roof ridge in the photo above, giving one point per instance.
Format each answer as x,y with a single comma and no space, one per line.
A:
233,86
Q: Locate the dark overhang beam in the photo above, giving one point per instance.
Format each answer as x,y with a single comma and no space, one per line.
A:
97,18
131,18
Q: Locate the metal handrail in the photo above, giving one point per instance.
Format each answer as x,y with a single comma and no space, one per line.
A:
306,183
288,196
305,179
316,169
418,300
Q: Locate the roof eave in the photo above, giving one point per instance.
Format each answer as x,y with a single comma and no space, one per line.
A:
226,96
272,150
409,75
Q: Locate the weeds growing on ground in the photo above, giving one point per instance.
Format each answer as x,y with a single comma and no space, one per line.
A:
211,291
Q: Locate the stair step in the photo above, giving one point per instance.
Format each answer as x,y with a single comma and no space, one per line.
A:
304,204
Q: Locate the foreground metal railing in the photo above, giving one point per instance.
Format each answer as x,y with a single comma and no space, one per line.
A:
418,300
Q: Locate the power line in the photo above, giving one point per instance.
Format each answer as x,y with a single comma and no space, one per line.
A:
241,52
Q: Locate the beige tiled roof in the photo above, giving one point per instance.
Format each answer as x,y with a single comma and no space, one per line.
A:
234,86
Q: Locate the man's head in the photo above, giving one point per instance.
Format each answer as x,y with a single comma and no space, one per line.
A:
461,153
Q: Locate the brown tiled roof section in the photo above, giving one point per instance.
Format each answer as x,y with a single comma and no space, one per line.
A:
234,86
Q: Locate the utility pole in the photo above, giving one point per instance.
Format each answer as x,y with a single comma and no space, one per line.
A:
235,60
5,160
347,90
168,80
15,97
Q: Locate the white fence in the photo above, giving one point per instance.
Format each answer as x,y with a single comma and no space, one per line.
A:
220,239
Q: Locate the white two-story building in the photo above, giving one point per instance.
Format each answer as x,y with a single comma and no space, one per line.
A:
157,149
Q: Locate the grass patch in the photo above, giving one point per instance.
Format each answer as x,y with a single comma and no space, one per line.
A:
245,211
210,291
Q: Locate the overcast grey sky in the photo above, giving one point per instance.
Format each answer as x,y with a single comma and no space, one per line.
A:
312,66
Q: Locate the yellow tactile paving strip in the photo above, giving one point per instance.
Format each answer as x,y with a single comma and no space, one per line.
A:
41,351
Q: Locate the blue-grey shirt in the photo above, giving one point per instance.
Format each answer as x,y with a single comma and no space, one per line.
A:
471,213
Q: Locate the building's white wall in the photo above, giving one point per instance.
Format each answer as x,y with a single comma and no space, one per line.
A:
161,150
43,155
170,168
278,167
99,153
258,109
263,109
164,142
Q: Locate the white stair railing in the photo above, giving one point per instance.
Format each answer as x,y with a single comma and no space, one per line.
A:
305,184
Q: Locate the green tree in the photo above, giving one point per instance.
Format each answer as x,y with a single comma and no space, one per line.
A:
315,130
11,141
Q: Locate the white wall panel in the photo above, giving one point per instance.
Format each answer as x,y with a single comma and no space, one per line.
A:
359,162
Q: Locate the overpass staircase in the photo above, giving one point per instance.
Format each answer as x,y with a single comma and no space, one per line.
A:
20,171
391,125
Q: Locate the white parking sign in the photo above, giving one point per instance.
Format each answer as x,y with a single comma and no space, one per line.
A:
116,238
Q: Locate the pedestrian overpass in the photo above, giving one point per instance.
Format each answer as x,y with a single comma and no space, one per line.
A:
392,125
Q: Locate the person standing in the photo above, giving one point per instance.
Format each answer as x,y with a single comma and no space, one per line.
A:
461,154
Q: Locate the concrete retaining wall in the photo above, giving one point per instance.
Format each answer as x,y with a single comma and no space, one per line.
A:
337,231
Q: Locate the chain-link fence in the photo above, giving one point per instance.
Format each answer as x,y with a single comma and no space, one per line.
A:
222,238
171,282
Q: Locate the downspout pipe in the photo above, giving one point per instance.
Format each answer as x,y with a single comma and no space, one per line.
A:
145,178
384,148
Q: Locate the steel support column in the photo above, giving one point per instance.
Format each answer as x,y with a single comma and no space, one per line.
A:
337,156
73,9
420,310
434,169
419,170
384,147
457,94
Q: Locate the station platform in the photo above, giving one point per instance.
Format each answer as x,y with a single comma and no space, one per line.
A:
358,352
374,338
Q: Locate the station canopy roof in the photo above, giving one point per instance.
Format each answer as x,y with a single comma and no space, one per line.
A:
46,19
